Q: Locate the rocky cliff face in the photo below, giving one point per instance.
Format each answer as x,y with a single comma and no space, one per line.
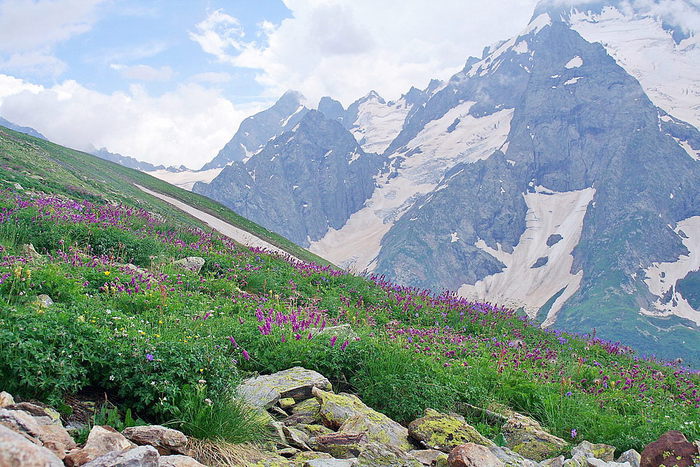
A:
557,173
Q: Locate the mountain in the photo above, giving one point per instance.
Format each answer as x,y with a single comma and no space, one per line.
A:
558,174
255,131
128,161
22,129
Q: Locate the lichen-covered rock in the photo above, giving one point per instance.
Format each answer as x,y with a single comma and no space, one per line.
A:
379,429
313,430
101,440
266,390
597,451
297,438
553,462
331,463
16,450
178,460
511,458
166,440
43,429
443,432
381,455
304,456
632,457
473,455
142,456
340,445
426,456
287,402
525,436
672,445
6,399
306,412
192,263
349,414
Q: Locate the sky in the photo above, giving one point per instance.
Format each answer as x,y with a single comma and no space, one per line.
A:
169,81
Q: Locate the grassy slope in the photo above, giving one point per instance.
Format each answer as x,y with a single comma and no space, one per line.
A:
22,155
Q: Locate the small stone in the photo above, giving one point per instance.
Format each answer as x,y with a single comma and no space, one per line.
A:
16,450
631,456
343,331
142,456
472,455
6,399
671,445
18,186
166,440
43,301
598,451
287,402
443,432
178,461
101,440
266,390
192,263
426,456
30,252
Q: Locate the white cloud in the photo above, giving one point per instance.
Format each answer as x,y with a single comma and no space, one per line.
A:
29,29
212,77
186,126
345,48
143,72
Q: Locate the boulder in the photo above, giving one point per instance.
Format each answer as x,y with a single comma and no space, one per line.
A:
6,399
381,455
671,445
166,440
379,429
597,451
443,432
101,440
525,436
178,461
264,391
192,263
331,463
16,450
632,457
297,438
473,455
511,458
43,429
426,456
142,456
340,445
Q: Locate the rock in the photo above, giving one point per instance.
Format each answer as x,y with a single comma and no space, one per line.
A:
287,452
443,432
266,390
30,252
426,456
348,413
344,331
472,455
303,456
166,440
306,412
331,463
314,430
287,402
381,455
178,461
598,451
297,438
554,462
340,445
101,440
511,458
142,456
671,445
16,450
6,399
18,186
525,436
379,429
192,263
631,456
593,462
37,411
442,461
43,301
48,434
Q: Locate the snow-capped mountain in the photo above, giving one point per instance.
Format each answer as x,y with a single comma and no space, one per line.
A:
558,173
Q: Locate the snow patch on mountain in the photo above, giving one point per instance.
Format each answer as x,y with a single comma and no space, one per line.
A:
538,269
662,278
668,71
378,123
187,178
421,167
575,62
